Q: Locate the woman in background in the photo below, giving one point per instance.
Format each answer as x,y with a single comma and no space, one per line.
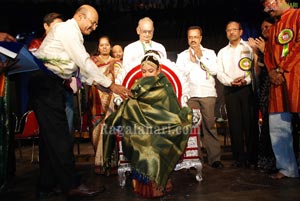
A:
49,21
100,104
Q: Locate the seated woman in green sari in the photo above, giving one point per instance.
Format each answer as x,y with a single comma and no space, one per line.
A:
155,129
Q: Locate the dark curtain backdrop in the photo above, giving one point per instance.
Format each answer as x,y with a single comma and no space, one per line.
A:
118,19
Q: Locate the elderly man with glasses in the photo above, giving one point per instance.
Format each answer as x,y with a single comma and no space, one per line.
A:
134,52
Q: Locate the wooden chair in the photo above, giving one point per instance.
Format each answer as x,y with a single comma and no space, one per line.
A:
26,128
190,158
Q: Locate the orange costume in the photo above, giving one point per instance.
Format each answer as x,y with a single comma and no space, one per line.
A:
283,51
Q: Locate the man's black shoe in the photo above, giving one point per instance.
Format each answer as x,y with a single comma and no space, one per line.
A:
84,191
217,165
44,194
236,164
250,165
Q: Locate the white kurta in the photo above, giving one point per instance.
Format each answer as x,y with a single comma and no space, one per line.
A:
134,53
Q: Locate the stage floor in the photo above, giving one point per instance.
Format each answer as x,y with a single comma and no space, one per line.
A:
232,184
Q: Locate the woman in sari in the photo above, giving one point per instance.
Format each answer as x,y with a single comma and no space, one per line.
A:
155,130
101,104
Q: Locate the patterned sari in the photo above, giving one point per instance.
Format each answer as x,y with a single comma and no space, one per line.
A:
101,105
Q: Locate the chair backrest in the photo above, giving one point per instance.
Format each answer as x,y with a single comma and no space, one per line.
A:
169,70
27,126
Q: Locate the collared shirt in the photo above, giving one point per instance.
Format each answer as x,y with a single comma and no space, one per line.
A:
134,53
228,60
63,52
199,80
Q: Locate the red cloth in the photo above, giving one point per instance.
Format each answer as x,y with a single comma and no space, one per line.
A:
35,44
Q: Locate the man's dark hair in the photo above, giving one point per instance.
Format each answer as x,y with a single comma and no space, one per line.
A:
50,17
194,27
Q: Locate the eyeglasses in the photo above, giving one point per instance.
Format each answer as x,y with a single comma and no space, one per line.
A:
230,30
269,6
147,32
94,23
267,27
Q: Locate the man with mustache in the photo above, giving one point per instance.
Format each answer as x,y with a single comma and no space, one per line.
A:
282,53
235,72
199,66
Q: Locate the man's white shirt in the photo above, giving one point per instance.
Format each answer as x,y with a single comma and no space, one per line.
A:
228,60
133,55
200,82
63,48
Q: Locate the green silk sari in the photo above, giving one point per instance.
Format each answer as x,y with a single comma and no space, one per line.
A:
156,129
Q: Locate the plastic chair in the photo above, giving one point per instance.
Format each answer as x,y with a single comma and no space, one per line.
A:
26,128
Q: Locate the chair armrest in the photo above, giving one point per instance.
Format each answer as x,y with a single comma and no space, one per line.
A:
197,117
118,101
184,100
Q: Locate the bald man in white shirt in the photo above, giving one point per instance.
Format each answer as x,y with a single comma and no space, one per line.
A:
63,52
